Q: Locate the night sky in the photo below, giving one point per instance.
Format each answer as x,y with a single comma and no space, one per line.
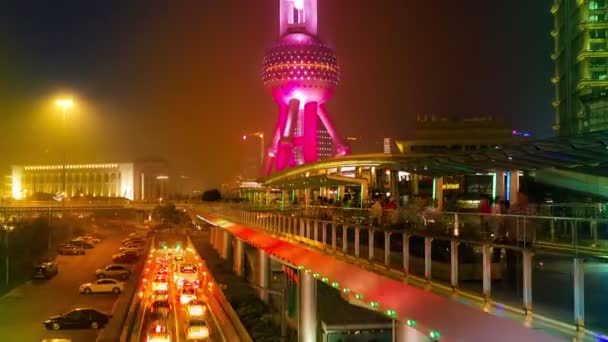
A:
181,79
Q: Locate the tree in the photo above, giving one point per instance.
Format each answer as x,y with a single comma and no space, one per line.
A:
169,213
212,195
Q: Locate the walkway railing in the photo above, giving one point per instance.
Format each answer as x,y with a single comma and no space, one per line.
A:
505,260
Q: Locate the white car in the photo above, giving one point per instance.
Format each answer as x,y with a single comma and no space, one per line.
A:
196,309
103,285
197,329
187,296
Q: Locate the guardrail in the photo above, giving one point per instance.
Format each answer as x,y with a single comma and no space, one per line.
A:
450,250
232,329
125,307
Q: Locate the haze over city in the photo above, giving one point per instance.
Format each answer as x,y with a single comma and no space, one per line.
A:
181,81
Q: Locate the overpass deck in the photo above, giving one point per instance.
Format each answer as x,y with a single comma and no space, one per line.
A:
398,300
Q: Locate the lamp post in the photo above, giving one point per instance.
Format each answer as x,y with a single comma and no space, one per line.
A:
8,228
162,179
65,104
257,135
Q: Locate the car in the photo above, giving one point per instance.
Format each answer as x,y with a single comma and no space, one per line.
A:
160,307
82,243
138,235
158,332
45,269
89,238
196,308
160,284
113,271
133,240
197,329
70,250
159,295
125,257
78,318
133,245
131,248
187,295
103,285
186,273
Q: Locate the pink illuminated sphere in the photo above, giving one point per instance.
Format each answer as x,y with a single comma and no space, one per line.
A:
299,66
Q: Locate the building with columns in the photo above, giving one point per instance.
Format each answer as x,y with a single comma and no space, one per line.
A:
146,180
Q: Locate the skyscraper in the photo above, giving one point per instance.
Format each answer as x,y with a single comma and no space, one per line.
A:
581,65
301,72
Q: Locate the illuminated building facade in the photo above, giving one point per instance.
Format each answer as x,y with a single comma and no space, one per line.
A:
301,73
581,65
435,135
134,181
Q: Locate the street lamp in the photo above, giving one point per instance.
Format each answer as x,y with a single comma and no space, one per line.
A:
65,104
162,179
257,135
8,228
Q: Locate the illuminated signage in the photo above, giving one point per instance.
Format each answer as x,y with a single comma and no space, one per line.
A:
454,186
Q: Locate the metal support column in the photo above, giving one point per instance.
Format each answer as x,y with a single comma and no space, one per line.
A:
345,239
315,230
370,245
334,238
428,261
239,257
406,253
487,271
579,292
594,231
302,228
308,228
454,263
387,248
405,333
527,275
307,317
263,273
357,241
324,233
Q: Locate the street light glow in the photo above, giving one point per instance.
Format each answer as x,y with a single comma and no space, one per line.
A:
65,103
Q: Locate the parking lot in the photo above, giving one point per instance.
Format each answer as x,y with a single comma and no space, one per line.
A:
23,310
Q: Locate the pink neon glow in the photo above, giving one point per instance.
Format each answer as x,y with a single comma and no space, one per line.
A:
302,73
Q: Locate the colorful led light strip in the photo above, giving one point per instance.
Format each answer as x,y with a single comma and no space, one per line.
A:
433,334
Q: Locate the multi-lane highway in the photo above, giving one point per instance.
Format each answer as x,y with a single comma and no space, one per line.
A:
178,318
23,310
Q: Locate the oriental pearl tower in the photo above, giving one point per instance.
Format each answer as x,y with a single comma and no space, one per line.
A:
301,72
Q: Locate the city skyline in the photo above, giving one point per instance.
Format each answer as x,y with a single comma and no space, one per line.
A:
115,68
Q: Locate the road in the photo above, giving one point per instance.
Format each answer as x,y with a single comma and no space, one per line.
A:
177,320
23,310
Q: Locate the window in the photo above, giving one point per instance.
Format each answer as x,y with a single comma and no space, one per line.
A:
598,46
597,4
594,18
595,34
599,76
597,62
